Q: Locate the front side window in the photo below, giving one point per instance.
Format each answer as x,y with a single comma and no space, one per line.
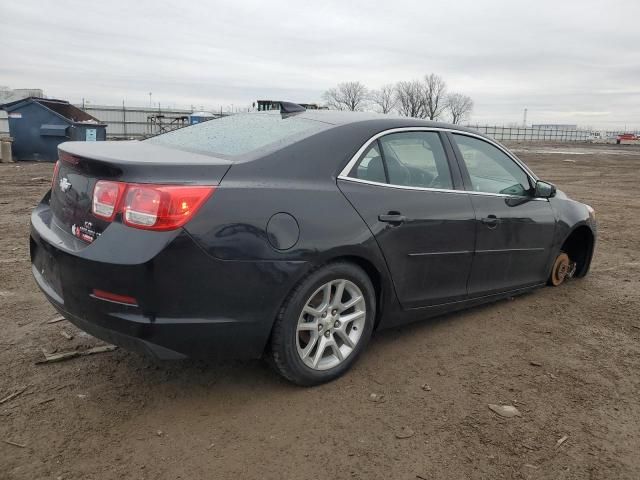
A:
490,169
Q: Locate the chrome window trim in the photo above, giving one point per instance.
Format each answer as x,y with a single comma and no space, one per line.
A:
344,174
441,190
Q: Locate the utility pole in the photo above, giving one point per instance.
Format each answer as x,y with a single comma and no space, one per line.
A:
524,119
150,104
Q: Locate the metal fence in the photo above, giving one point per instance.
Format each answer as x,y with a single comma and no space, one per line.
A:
523,134
137,122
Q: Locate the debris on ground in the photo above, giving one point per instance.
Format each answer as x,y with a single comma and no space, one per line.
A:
56,319
15,444
46,400
159,433
426,387
41,179
59,357
562,440
507,411
66,334
13,395
377,398
405,432
535,364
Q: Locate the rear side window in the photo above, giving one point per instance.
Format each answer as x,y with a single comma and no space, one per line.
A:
370,166
239,134
409,159
416,159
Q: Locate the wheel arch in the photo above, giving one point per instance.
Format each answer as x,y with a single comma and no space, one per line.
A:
579,245
374,275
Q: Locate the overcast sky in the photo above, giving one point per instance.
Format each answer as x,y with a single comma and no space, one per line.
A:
566,61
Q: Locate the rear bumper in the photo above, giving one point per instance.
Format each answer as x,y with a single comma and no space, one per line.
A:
126,334
189,303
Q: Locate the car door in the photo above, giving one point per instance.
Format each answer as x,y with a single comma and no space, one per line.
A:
514,230
403,186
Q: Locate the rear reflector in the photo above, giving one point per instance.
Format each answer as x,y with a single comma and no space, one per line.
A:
147,206
114,297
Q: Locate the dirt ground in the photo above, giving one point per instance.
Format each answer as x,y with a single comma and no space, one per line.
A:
568,358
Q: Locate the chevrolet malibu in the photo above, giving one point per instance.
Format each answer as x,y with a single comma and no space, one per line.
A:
294,235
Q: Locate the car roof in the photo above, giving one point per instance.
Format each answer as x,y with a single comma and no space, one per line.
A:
381,121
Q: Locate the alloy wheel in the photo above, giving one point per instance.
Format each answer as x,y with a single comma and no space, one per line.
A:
331,324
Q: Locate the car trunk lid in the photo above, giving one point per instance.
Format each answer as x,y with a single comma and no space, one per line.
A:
83,164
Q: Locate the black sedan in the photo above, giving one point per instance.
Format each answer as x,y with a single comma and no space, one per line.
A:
295,235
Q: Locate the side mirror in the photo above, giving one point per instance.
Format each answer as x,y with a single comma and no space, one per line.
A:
545,189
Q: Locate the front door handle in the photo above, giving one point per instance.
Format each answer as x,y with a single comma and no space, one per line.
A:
491,221
395,218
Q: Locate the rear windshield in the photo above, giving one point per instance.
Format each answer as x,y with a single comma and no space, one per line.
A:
239,134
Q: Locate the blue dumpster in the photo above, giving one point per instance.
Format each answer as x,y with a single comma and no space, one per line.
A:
39,125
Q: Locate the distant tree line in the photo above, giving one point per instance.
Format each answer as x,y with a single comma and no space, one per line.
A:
426,98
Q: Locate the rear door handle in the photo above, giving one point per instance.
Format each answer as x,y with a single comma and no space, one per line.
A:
392,217
491,221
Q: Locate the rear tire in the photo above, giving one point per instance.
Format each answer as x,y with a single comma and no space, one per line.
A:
324,325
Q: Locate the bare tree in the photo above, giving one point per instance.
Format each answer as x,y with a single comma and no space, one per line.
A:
346,96
410,98
385,98
435,100
460,107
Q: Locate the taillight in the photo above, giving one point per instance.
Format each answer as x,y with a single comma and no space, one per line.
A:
162,207
56,168
146,206
105,199
141,207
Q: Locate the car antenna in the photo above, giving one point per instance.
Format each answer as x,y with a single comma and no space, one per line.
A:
290,108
